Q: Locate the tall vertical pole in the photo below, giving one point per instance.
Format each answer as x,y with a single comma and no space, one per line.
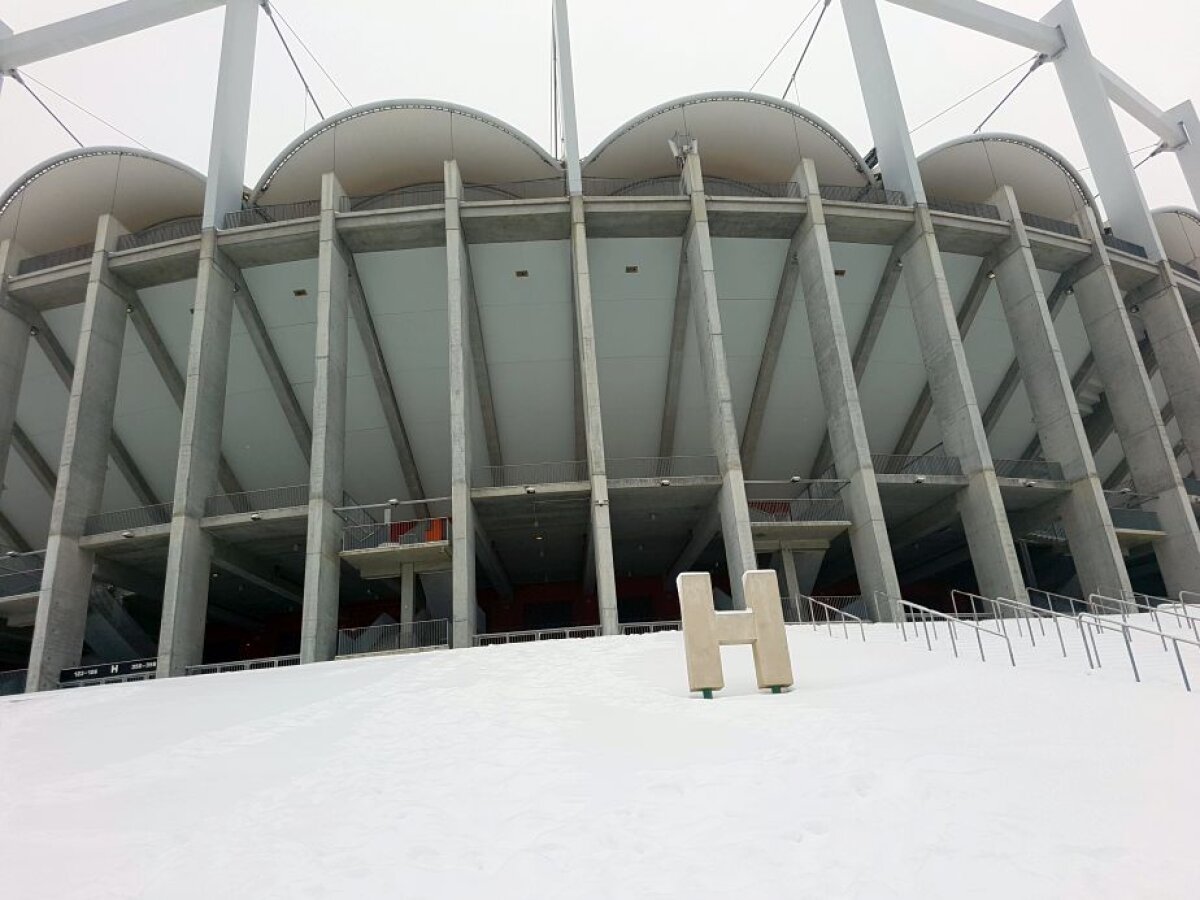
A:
980,504
231,116
14,344
5,31
189,555
1162,312
585,336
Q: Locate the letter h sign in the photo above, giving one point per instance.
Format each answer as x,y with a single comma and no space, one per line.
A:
760,625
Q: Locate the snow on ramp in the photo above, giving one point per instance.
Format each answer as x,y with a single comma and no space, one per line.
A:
584,769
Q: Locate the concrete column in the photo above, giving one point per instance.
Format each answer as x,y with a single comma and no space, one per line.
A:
408,594
789,574
1086,518
462,510
322,560
1136,416
835,370
67,575
706,314
585,335
189,556
980,504
14,343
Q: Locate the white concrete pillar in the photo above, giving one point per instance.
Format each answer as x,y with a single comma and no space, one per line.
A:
462,525
1136,417
1189,154
1085,513
848,442
706,314
408,595
980,504
67,574
322,560
189,556
14,344
231,113
585,336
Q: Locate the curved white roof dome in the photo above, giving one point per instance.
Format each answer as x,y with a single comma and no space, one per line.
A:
1179,230
742,137
398,143
57,204
971,169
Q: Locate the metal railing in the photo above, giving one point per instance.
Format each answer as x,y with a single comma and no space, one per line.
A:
401,198
793,615
1045,223
1115,243
840,193
245,665
1185,270
799,509
257,501
1123,603
13,682
519,474
650,627
378,640
533,189
925,616
1031,469
661,467
665,186
174,230
728,187
14,584
1033,612
55,258
929,464
129,519
1134,519
1126,629
543,634
395,534
279,212
961,208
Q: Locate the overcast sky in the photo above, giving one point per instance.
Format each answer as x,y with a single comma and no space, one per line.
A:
158,86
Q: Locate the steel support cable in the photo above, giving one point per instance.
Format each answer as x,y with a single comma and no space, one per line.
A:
1037,64
16,76
312,56
973,94
287,49
790,38
804,52
85,110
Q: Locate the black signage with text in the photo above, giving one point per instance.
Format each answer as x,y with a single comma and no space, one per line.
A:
108,670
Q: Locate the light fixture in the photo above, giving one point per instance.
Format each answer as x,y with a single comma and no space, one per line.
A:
530,489
795,479
393,502
129,309
539,537
216,574
126,534
920,479
299,293
12,554
991,276
255,517
839,273
602,503
522,273
33,331
632,270
1135,309
1029,482
665,482
1070,292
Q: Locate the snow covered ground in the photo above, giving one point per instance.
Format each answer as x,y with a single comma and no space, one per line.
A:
584,769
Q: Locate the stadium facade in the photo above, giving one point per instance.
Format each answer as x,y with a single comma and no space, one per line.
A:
425,370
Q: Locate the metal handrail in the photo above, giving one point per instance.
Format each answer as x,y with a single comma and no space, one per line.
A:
1045,223
519,474
396,534
257,501
927,464
926,614
843,617
1130,598
1184,269
799,509
541,634
55,258
14,584
1125,627
177,229
279,212
651,627
959,208
1032,469
1115,243
633,467
127,519
873,194
395,637
242,665
1039,614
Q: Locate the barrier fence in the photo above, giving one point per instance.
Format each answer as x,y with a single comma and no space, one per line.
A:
55,258
543,634
128,519
380,534
244,665
257,501
13,682
377,640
